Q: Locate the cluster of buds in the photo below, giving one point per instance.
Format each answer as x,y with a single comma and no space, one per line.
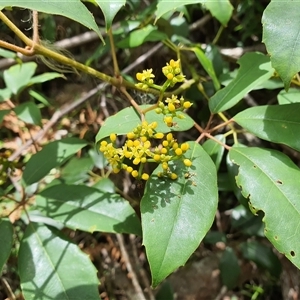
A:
171,108
144,144
138,150
173,72
145,78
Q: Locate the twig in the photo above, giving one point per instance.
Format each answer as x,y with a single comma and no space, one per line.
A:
8,289
73,104
142,272
129,268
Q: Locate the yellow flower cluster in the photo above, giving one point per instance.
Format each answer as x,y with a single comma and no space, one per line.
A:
145,78
138,150
171,107
173,72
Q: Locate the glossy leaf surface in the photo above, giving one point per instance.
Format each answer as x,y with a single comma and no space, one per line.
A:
51,156
176,215
274,123
270,180
18,76
6,238
73,9
48,270
255,68
89,209
137,37
281,37
29,113
290,96
207,65
220,9
127,119
110,9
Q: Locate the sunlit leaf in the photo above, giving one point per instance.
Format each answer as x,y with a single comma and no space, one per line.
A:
290,96
18,76
137,37
281,37
73,9
220,9
89,209
127,119
255,68
176,215
274,123
270,180
51,267
207,65
110,9
29,113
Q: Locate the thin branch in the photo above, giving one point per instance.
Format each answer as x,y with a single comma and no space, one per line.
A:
73,104
129,268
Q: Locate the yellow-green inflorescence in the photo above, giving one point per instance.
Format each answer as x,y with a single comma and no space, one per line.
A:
141,144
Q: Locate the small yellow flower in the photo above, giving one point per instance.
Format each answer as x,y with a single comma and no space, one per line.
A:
178,151
135,173
173,176
187,104
187,162
113,137
184,147
159,135
145,176
171,107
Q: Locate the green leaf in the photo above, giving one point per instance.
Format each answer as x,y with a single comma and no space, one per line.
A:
29,113
165,292
5,94
274,123
220,9
255,68
280,35
229,268
51,267
72,9
165,6
89,209
7,54
215,150
3,113
51,156
6,234
137,37
262,255
110,9
207,65
127,119
270,180
176,215
47,76
77,170
18,76
290,96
